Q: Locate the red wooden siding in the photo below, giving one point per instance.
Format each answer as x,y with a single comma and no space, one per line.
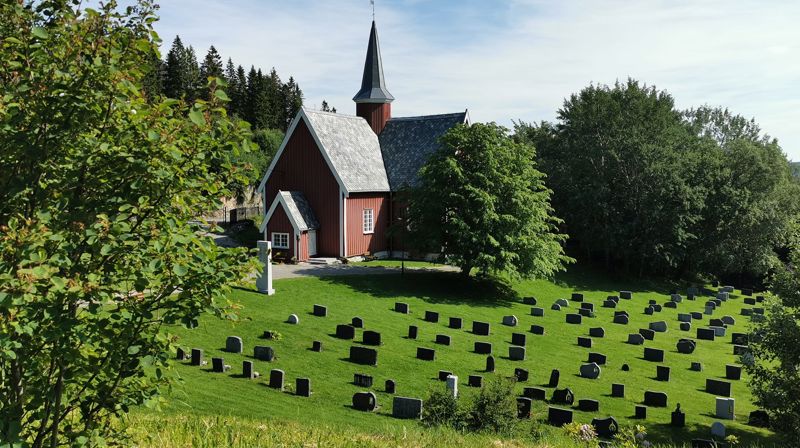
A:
376,114
302,249
359,243
280,223
301,167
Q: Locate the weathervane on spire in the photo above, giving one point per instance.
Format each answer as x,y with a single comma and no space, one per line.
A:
372,2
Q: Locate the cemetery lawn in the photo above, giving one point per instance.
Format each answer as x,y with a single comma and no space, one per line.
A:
372,298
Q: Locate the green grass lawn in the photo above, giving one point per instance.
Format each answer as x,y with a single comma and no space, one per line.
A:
372,298
393,263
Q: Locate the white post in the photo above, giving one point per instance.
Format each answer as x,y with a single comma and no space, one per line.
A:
452,385
264,278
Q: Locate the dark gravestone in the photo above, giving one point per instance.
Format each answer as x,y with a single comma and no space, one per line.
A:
302,387
686,346
621,319
586,312
678,417
404,407
627,295
363,355
716,323
588,405
483,348
537,329
587,306
180,354
197,357
271,335
559,416
609,304
365,401
635,339
475,381
625,368
696,315
649,310
480,328
647,333
535,393
529,301
590,371
717,387
621,313
490,363
672,305
598,358
740,338
345,331
696,366
316,346
685,326
733,372
662,373
759,419
389,386
554,377
597,332
412,331
401,307
706,334
247,370
740,350
605,427
426,354
233,344
218,365
750,301
442,339
431,316
523,407
574,318
518,339
276,379
563,396
262,353
577,297
655,399
584,342
516,353
371,338
653,354
443,374
357,322
640,412
320,311
537,312
362,380
657,308
618,390
456,323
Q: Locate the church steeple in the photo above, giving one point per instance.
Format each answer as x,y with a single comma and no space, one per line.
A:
373,101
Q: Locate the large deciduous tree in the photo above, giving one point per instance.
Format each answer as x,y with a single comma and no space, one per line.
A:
97,250
482,204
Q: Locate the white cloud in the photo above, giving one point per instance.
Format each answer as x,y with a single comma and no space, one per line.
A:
517,59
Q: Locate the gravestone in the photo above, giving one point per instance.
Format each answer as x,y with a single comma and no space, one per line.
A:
316,346
705,334
655,399
718,387
658,327
590,371
180,354
276,379
740,350
563,396
357,322
475,381
271,335
362,380
412,331
483,348
640,412
577,297
490,363
558,416
662,373
653,354
197,357
584,342
686,346
605,427
365,401
676,298
718,331
718,430
696,315
389,386
733,372
597,332
728,320
686,326
739,338
758,418
443,374
344,331
262,353
684,317
264,275
562,303
455,323
407,408
535,393
426,354
371,338
598,358
302,387
537,329
442,339
625,368
529,300
678,417
510,321
585,312
516,353
519,339
725,408
536,311
649,310
749,301
609,304
523,407
247,370
363,355
233,344
588,405
618,390
320,311
627,295
218,365
672,305
647,333
402,307
554,377
452,385
709,310
480,328
621,319
587,306
431,316
696,366
635,339
556,307
574,318
716,323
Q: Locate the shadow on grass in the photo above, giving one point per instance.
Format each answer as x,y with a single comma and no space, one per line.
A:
664,432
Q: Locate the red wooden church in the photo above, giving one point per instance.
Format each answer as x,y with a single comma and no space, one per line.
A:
329,191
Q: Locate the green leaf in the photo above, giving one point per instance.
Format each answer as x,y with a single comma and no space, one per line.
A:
134,349
39,32
221,95
179,270
197,117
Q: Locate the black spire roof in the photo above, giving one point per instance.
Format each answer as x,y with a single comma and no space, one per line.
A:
373,86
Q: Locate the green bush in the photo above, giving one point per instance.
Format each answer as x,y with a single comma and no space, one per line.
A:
495,408
441,409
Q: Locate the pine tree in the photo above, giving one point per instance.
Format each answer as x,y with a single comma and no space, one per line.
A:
174,75
210,68
327,108
193,82
293,101
233,88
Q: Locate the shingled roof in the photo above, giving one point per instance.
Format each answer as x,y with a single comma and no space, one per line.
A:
408,142
353,149
297,206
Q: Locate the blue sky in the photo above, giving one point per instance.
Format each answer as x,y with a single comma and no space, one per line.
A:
516,59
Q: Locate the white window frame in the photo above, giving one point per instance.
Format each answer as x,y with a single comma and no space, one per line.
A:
275,242
368,221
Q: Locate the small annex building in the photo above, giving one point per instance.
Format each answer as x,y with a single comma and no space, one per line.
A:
330,189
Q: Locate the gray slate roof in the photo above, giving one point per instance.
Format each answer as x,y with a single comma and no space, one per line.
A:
300,210
408,142
373,85
353,149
